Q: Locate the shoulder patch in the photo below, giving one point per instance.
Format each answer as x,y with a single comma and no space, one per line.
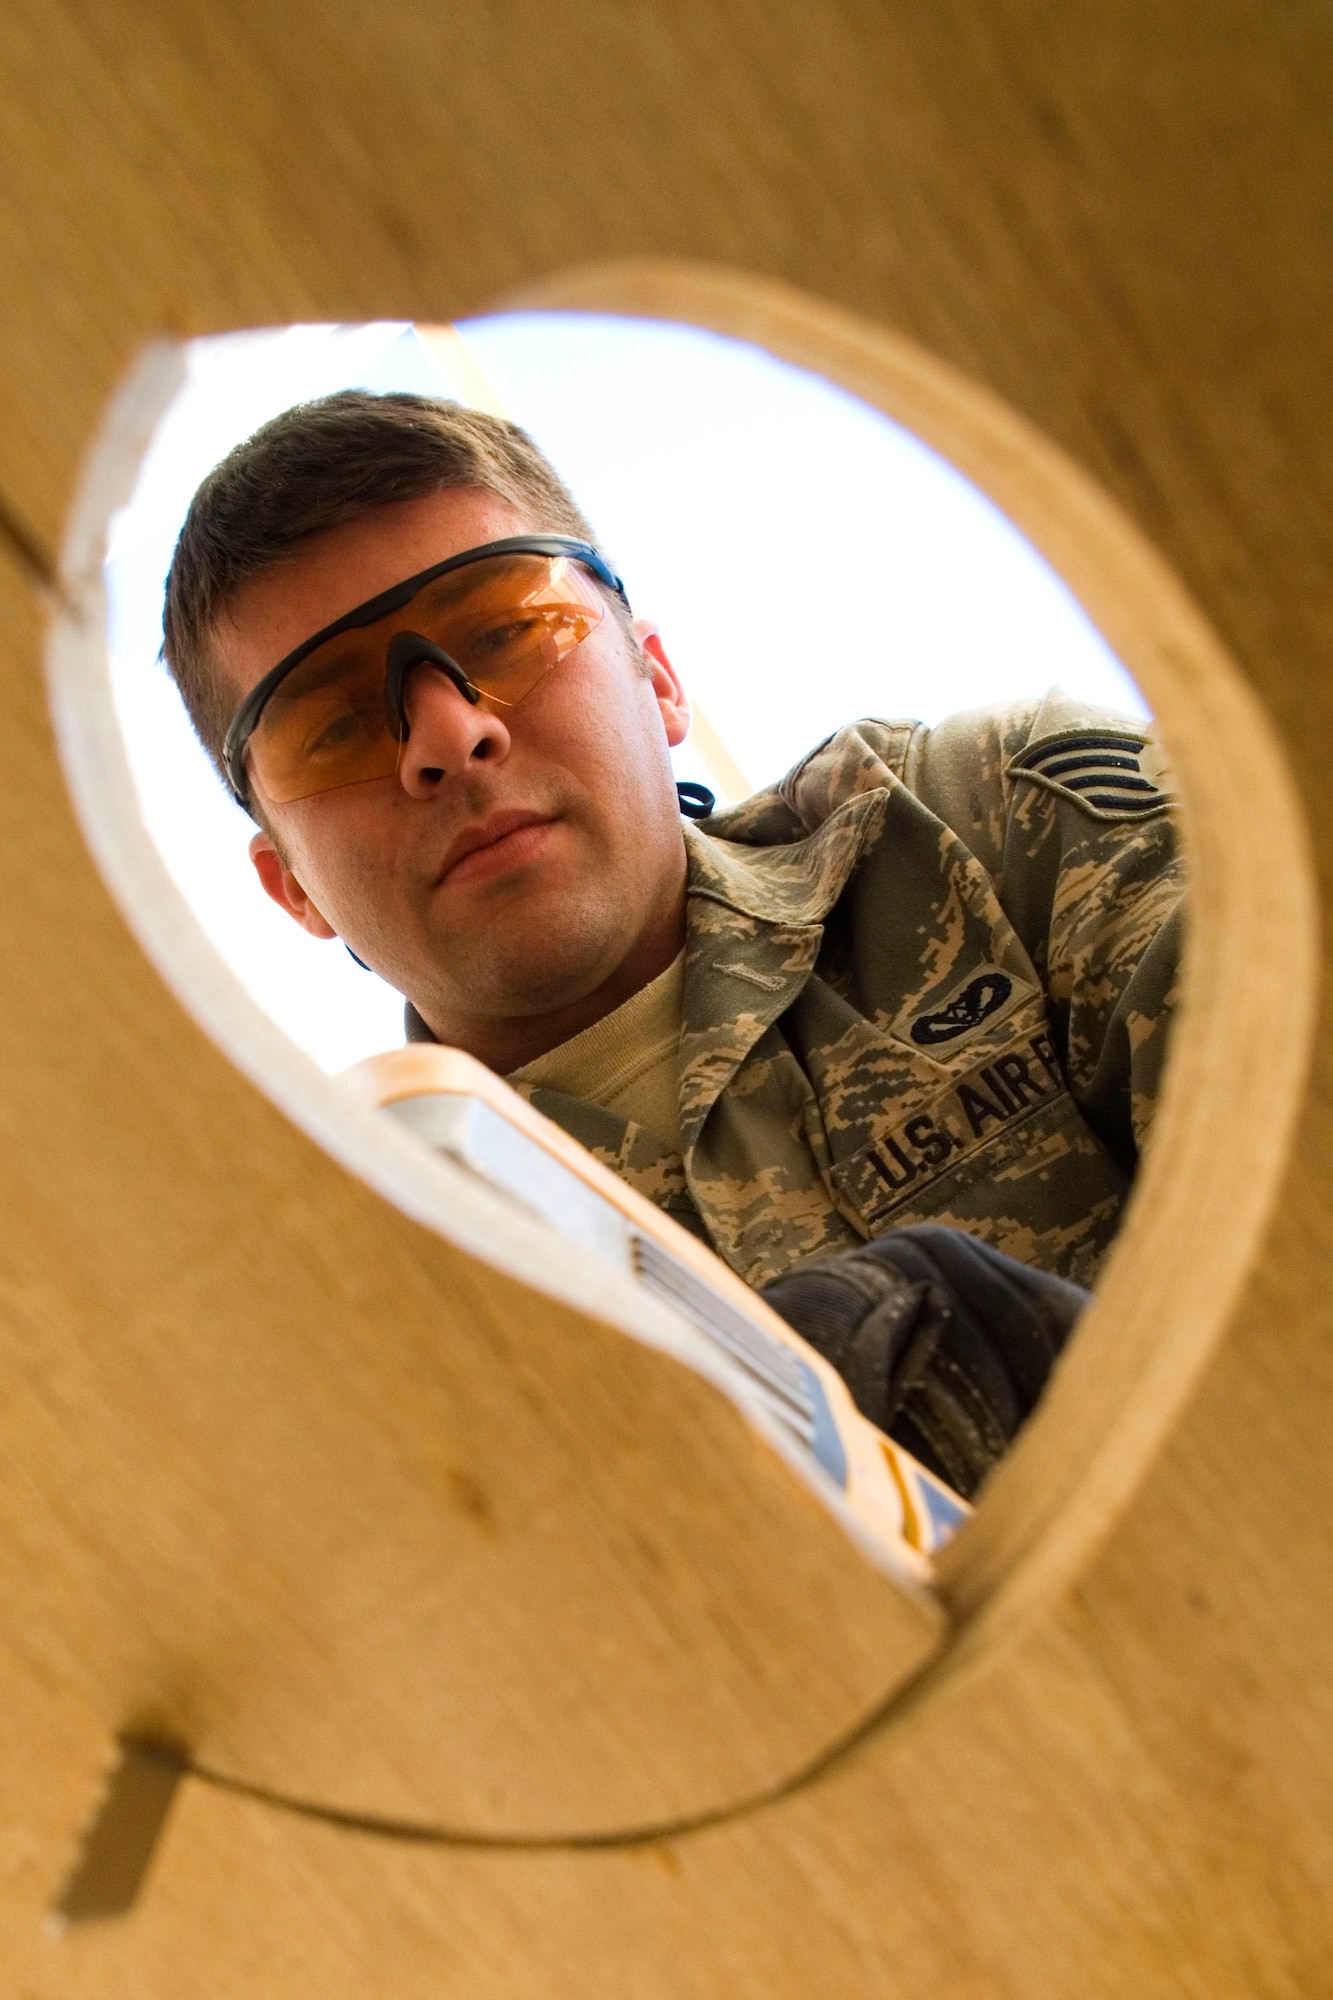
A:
1110,773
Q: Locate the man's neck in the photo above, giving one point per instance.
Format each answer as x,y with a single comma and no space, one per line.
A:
506,1043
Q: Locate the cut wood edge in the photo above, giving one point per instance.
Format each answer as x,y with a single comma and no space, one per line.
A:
1250,981
1199,1214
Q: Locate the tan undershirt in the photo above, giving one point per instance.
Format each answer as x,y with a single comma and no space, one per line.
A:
629,1061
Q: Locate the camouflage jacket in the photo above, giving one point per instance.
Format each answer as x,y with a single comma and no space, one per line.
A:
928,977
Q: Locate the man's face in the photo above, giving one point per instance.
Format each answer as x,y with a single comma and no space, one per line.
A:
512,867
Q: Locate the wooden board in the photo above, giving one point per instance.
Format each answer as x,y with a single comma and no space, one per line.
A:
232,1365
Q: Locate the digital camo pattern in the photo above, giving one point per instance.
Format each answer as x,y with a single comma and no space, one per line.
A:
929,977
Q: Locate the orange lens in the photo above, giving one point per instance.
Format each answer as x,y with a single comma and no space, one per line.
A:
505,622
325,725
508,620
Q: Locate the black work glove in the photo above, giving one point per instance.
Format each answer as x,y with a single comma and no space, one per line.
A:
945,1343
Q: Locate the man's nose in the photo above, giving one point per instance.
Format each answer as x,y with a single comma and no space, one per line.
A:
446,732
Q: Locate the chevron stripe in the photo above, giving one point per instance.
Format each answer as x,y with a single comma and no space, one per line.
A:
1098,769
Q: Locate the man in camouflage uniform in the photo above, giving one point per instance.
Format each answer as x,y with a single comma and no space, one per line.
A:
928,977
916,996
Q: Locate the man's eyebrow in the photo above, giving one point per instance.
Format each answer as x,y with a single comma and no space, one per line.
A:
462,584
347,650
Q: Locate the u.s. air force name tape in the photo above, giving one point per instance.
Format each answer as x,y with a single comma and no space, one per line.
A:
973,1109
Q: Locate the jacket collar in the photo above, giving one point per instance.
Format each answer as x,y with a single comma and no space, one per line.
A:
755,925
791,881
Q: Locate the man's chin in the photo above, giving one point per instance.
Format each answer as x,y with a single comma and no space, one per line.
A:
511,976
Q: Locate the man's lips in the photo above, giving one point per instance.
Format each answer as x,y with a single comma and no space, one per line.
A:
491,845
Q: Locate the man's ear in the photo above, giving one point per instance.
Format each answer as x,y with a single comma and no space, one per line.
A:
280,883
670,695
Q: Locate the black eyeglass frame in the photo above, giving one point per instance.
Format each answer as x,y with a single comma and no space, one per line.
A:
246,719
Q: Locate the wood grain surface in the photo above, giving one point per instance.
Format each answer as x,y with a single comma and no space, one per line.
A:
259,1385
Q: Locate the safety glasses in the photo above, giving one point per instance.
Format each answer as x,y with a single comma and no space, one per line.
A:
493,620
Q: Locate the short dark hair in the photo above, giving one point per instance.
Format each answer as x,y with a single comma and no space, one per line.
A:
312,468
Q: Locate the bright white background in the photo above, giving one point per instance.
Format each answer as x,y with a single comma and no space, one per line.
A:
807,560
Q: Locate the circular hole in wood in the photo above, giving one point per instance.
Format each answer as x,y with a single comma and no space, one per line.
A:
1165,1294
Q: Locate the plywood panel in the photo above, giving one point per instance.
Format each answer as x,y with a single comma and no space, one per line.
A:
1116,1781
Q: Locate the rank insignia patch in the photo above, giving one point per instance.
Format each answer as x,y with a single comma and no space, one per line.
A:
1110,773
